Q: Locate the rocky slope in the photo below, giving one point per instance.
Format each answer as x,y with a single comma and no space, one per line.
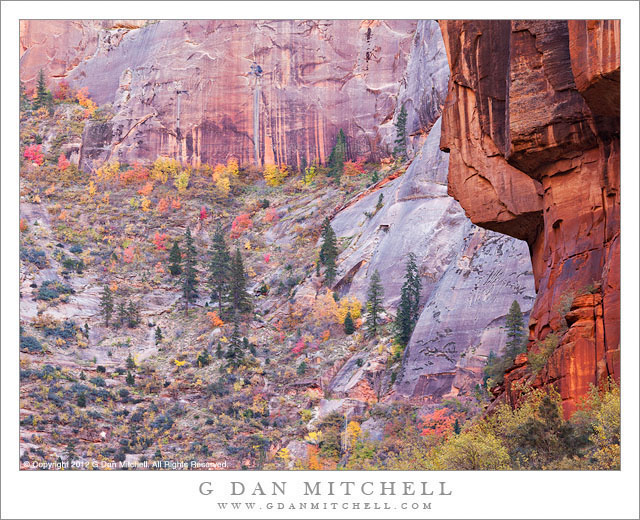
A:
319,77
531,123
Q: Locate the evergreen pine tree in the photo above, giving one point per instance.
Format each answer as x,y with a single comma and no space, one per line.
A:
122,314
234,352
415,286
175,259
338,156
158,335
133,315
403,318
130,379
400,150
349,327
329,252
515,331
375,293
238,297
409,308
131,364
82,400
41,91
456,427
219,268
106,303
189,275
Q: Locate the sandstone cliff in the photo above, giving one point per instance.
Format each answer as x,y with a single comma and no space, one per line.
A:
531,122
318,77
470,275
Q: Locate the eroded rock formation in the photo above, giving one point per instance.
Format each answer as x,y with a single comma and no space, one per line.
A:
531,122
318,77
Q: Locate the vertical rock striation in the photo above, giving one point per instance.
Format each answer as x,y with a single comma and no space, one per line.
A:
318,77
531,122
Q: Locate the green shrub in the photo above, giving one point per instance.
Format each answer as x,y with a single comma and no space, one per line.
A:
538,358
50,290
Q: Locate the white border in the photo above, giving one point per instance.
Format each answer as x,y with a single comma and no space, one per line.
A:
174,494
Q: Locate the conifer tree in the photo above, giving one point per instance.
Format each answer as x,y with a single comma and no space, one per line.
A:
133,315
375,293
106,304
515,330
400,150
349,327
122,314
131,364
329,252
189,275
414,286
338,156
219,268
409,308
175,259
234,352
238,297
41,90
130,379
403,318
158,335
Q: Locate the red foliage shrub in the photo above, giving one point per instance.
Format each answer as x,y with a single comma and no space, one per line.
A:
241,223
34,153
63,163
159,241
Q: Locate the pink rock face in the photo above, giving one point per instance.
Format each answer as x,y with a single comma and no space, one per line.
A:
535,154
318,77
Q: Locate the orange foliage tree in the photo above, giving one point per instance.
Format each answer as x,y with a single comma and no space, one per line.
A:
438,424
241,224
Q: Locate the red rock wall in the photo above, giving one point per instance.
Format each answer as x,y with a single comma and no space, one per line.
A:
319,76
532,125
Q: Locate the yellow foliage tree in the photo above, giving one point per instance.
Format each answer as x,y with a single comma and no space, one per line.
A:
223,186
349,303
273,175
232,167
325,310
108,171
182,180
163,168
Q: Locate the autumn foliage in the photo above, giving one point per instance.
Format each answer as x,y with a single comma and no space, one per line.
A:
83,98
160,241
351,169
34,153
439,424
215,319
241,224
137,173
63,163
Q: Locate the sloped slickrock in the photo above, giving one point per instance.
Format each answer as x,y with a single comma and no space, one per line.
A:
318,77
531,123
470,276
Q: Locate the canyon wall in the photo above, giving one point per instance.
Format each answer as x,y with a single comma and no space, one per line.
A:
470,276
531,123
318,77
